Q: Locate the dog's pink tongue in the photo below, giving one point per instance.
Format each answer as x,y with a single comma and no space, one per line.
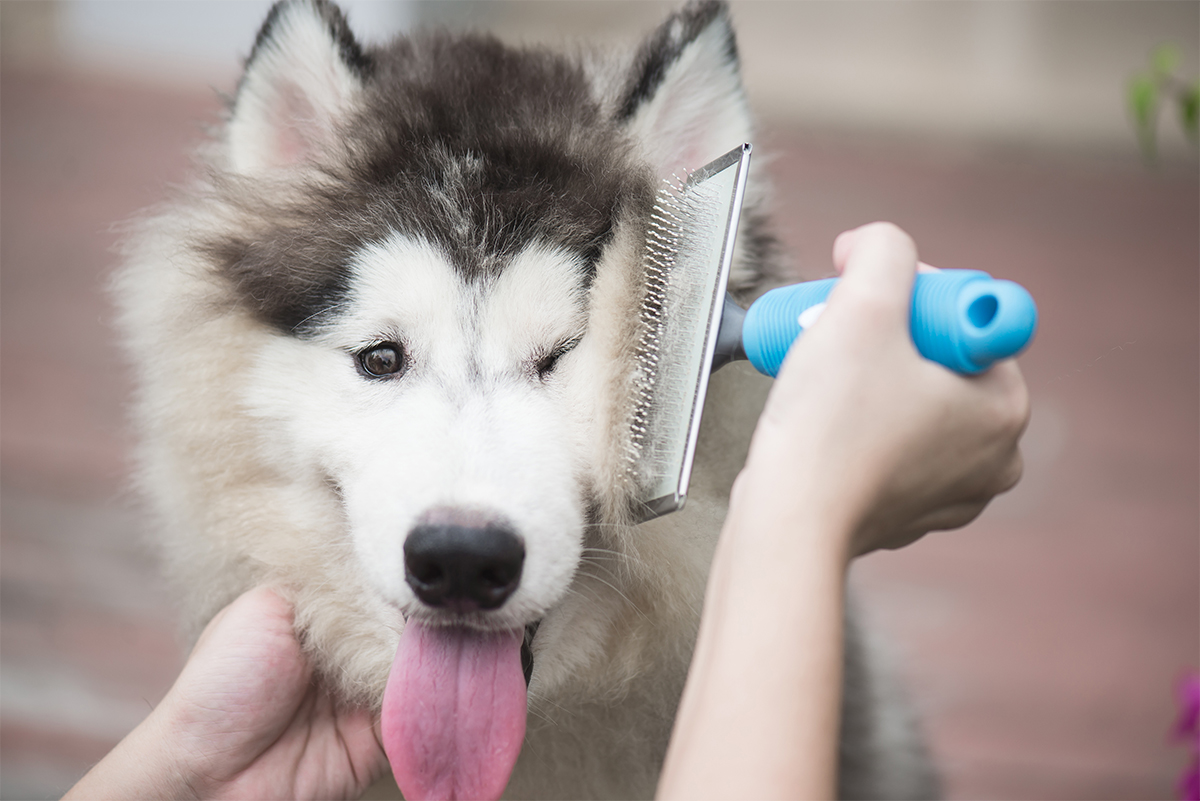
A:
454,712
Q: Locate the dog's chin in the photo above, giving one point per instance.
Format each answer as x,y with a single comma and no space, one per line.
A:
484,621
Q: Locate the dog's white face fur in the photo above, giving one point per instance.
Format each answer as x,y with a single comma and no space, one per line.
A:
473,422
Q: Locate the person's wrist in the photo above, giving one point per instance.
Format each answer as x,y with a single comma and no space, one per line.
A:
144,765
189,764
768,501
168,767
779,487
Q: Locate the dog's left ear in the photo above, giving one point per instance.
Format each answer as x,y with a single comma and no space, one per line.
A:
683,102
303,80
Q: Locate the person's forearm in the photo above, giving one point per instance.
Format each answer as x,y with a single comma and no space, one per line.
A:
764,691
140,767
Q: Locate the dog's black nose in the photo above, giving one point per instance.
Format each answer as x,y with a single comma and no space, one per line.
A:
463,567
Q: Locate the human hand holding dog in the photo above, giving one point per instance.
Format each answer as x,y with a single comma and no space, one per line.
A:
863,444
244,720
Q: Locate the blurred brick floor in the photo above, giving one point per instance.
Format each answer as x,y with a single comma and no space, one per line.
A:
1042,642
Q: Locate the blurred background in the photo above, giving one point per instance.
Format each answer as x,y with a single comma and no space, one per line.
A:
1042,644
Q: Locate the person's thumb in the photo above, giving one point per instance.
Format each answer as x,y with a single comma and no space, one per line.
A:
878,263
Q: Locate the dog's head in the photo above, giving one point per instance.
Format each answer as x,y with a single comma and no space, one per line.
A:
444,235
388,344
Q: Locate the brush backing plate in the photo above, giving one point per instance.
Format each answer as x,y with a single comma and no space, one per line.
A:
689,251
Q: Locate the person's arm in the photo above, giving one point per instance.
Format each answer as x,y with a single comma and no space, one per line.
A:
244,720
862,445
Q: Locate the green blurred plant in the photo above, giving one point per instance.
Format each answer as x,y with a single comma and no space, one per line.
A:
1159,86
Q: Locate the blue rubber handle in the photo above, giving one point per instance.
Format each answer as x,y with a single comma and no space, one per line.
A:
962,319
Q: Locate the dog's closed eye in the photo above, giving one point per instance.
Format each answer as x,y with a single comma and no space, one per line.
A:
545,364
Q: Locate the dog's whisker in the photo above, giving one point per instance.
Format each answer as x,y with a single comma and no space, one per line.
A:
566,711
319,313
620,560
626,564
534,712
619,555
617,573
619,592
594,549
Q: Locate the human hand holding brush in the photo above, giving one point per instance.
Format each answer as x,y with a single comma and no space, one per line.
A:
860,430
863,445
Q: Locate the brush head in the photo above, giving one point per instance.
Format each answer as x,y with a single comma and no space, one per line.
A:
686,261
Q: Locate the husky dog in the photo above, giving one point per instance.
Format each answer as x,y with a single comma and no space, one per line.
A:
385,346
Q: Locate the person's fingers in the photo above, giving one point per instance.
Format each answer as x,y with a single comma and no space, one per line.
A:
260,607
1012,472
884,257
944,519
265,604
842,246
844,243
879,265
212,626
1004,398
1016,395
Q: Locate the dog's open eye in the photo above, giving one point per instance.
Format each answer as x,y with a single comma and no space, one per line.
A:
382,360
546,364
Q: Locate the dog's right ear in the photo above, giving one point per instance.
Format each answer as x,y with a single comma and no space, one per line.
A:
684,104
303,79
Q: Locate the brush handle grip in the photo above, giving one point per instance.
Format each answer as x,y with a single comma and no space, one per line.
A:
961,319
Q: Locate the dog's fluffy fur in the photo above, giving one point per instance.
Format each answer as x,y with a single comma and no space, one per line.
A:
481,208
